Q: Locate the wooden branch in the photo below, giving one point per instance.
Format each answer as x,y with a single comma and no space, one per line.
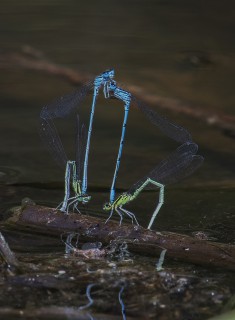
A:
38,64
31,59
140,240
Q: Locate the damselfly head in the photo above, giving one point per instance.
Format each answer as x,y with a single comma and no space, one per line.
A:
107,206
108,74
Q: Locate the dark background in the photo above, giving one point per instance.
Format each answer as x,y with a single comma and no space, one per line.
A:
174,49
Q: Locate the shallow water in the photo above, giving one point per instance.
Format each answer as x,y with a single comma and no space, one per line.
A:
107,288
179,50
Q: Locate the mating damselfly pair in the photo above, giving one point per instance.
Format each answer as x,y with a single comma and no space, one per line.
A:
180,164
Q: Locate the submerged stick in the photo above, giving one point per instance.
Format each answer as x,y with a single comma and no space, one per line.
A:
140,240
6,252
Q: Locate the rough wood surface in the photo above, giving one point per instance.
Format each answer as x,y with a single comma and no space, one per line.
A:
140,240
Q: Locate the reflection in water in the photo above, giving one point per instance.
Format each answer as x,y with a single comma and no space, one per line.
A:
121,249
121,303
117,249
88,250
49,277
180,293
88,294
69,248
161,260
91,301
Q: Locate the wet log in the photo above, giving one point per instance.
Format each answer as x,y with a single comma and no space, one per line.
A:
139,240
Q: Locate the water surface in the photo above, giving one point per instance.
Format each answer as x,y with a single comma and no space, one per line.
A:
182,50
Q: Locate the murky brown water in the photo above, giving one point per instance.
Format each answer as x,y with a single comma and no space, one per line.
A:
181,50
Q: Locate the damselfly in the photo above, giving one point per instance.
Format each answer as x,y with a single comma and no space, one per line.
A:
74,168
180,164
63,106
172,130
66,104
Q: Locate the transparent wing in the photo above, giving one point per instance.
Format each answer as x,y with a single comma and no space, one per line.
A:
169,128
80,148
183,168
52,141
175,167
63,106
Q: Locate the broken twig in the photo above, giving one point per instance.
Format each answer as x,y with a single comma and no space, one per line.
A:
6,252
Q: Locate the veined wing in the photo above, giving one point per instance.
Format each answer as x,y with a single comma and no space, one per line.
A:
63,106
52,141
175,167
169,128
